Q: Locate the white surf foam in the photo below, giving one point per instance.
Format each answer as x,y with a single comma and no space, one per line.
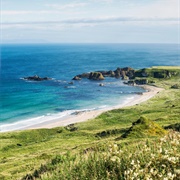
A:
24,124
18,125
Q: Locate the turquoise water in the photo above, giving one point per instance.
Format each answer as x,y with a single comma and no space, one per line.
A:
25,103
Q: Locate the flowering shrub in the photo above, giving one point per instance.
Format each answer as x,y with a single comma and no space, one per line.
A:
160,160
150,160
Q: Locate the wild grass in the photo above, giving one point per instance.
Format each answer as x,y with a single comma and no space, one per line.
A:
87,151
166,67
158,159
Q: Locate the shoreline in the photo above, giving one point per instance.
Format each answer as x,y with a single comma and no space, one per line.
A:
87,115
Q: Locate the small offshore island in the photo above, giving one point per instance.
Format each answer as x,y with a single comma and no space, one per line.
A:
129,142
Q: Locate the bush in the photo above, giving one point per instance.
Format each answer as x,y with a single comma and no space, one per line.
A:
147,160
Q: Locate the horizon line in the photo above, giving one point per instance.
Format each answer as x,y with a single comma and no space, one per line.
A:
4,43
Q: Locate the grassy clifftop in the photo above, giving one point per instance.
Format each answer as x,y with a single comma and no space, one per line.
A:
96,149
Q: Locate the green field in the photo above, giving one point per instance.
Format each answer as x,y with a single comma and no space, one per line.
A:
134,142
166,67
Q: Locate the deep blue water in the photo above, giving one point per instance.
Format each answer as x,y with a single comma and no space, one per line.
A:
27,101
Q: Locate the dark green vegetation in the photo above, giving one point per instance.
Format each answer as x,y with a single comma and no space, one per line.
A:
142,128
151,75
157,72
118,144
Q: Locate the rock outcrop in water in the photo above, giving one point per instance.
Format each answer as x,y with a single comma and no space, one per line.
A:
137,82
96,76
124,73
36,78
99,75
76,78
131,76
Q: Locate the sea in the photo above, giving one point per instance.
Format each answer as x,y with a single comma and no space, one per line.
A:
25,103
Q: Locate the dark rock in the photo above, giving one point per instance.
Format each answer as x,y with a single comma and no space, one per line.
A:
175,127
103,134
139,93
36,78
110,132
126,82
159,75
76,78
19,144
28,177
141,81
162,74
104,73
127,69
117,73
84,75
151,82
143,73
168,74
131,83
107,73
46,78
131,74
101,84
96,76
137,82
125,73
175,86
124,77
70,83
110,74
71,127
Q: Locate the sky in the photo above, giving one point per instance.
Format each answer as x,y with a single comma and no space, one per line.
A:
90,21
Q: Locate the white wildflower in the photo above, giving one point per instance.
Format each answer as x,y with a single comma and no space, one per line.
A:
135,174
165,178
177,171
115,159
169,174
127,172
153,156
132,162
115,146
151,170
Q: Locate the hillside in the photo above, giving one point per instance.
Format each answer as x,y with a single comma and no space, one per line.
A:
123,143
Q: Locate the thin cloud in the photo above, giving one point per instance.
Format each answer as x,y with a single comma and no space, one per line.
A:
104,1
97,20
16,12
10,13
66,6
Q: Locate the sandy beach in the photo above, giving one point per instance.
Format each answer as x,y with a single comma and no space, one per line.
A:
87,115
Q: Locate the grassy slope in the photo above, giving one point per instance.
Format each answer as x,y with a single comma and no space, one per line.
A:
24,151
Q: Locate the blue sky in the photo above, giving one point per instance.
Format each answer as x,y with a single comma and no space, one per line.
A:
90,21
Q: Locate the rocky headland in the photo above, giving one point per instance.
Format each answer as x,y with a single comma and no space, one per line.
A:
129,75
